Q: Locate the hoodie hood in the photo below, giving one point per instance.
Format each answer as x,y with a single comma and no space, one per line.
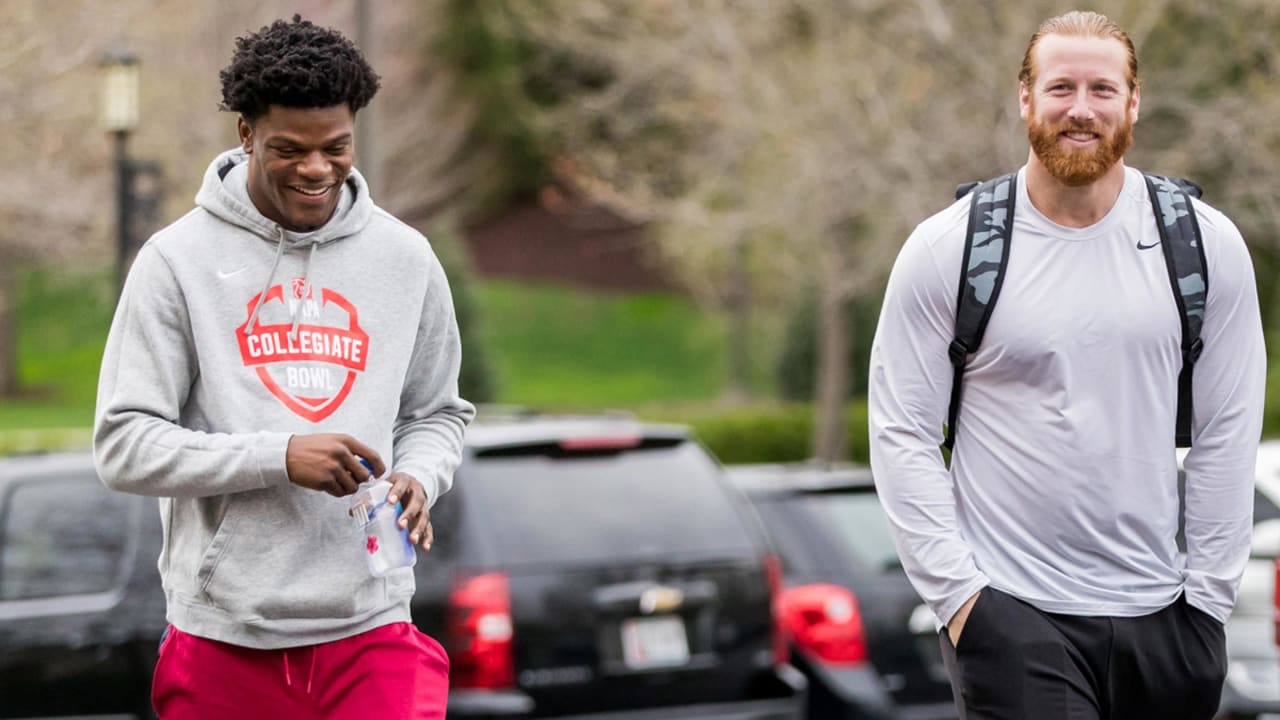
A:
225,194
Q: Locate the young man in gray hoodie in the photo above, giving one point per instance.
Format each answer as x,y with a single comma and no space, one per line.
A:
264,344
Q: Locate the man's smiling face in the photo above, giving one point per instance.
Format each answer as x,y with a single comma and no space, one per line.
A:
1080,108
298,160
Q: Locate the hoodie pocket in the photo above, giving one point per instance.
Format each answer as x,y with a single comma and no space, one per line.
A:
218,546
280,555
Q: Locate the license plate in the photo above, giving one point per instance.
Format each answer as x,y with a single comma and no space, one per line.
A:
654,642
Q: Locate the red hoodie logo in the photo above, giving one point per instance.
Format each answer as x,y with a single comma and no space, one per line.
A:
312,371
301,288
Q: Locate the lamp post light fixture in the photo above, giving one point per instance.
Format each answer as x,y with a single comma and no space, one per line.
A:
119,118
120,91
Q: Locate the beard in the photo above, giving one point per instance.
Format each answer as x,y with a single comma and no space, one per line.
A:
1074,166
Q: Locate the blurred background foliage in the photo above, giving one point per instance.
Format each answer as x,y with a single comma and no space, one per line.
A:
774,152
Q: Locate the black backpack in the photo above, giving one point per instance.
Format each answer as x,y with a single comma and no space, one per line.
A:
986,255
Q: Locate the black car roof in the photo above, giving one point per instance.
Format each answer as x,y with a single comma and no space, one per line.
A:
491,433
799,478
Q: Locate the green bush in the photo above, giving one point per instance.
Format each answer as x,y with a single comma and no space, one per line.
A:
1271,415
745,437
766,434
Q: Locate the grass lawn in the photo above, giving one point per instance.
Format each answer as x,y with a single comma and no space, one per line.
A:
62,325
558,347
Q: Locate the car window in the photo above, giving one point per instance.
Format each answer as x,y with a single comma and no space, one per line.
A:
857,520
656,502
61,537
790,533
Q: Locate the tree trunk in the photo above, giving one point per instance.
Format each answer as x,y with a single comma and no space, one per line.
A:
8,333
831,391
739,301
367,145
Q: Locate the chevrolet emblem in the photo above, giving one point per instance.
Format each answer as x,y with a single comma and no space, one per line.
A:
660,598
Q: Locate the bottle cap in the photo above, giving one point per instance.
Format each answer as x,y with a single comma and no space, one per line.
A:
371,493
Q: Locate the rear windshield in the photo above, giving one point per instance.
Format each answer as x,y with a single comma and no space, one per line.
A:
853,520
660,503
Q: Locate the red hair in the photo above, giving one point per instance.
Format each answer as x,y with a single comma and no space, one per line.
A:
1079,23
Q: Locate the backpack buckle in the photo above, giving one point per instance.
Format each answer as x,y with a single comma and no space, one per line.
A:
958,352
1191,354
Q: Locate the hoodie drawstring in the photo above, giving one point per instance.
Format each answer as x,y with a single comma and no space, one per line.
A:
311,673
262,298
306,288
288,680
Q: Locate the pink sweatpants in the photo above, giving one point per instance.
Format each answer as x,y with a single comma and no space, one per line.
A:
392,672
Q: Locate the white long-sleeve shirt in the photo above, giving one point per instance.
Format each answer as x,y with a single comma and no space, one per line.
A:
1063,484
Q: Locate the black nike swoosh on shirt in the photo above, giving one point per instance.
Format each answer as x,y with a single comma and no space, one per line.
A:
1148,247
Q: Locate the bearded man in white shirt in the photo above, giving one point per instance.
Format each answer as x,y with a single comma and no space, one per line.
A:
1048,549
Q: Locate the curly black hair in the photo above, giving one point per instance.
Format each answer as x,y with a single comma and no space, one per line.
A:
296,64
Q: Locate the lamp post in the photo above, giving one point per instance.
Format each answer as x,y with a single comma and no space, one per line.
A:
119,118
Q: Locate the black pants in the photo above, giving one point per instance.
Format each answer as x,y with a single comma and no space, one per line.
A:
1014,662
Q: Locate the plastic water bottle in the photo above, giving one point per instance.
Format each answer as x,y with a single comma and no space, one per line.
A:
386,544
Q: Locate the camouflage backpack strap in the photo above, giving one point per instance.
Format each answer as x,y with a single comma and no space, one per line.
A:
1184,257
986,255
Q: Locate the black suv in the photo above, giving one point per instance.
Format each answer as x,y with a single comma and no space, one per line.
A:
81,609
858,629
583,568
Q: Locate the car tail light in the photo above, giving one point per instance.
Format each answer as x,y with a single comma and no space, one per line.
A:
773,576
478,630
824,620
1276,603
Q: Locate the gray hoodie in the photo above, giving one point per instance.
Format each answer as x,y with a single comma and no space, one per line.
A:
231,335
